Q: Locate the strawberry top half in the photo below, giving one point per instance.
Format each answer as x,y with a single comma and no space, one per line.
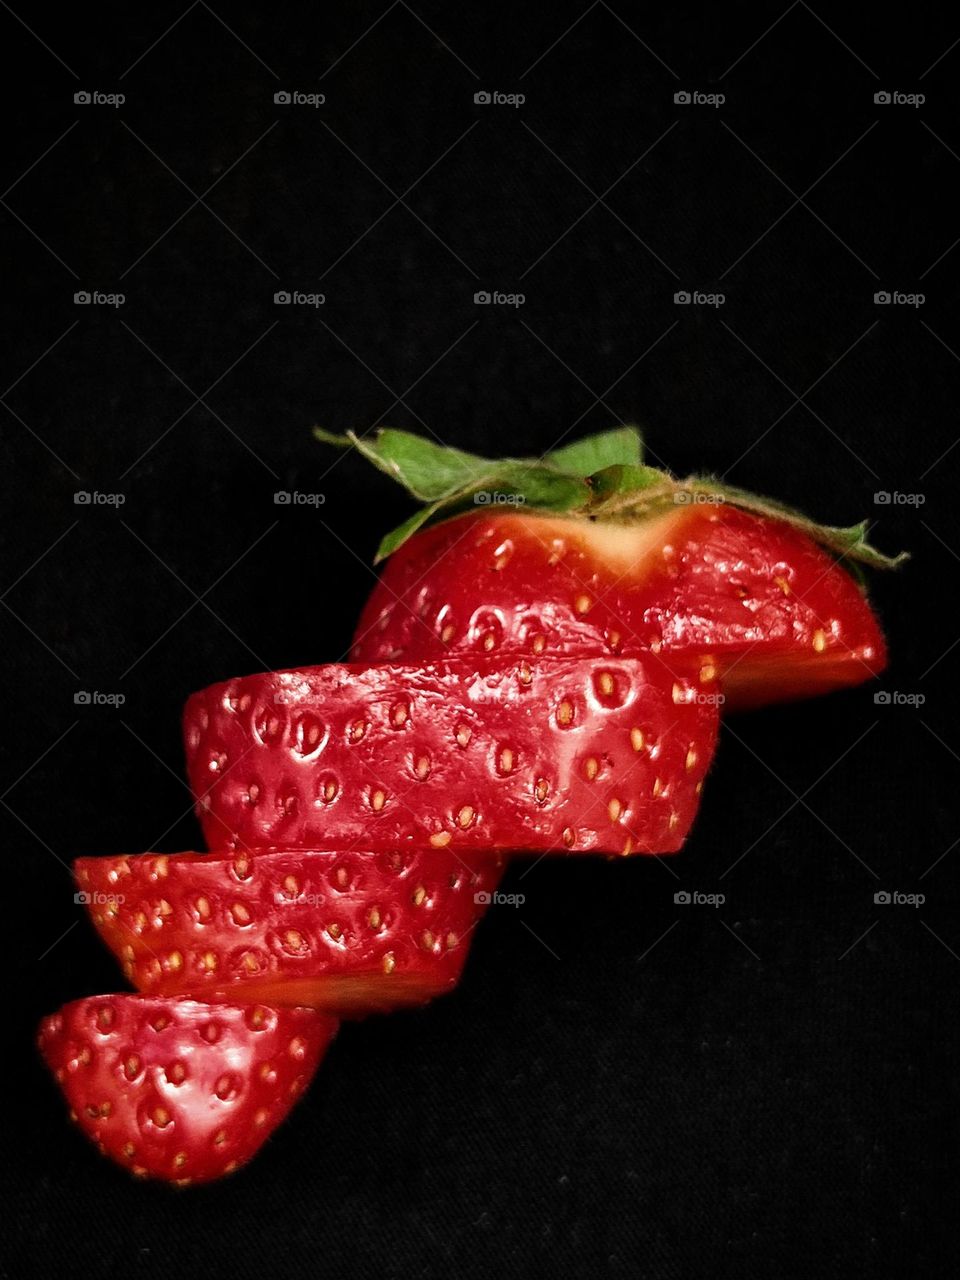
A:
590,551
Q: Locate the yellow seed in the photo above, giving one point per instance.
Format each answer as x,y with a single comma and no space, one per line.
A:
174,960
525,675
446,635
691,758
614,809
606,683
419,894
451,941
569,837
565,713
260,1118
180,1159
203,908
819,641
674,819
636,739
329,790
784,585
699,787
373,917
613,639
209,961
240,913
161,1117
399,715
708,672
164,907
582,604
427,940
627,848
539,643
440,838
250,962
294,939
542,789
377,801
334,931
657,786
388,963
489,641
506,760
463,734
465,816
591,767
422,767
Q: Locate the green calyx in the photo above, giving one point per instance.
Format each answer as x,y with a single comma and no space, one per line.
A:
601,477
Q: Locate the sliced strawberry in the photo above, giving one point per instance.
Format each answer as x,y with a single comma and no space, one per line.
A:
179,1090
558,755
631,561
353,933
778,616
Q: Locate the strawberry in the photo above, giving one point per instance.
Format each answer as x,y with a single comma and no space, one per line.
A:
352,933
597,553
554,755
179,1090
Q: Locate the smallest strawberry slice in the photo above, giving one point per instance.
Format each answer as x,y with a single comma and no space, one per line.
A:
180,1090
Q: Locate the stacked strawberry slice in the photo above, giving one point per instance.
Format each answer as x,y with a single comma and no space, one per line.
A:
544,682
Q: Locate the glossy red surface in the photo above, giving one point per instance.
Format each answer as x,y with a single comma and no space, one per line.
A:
776,613
180,1090
541,755
352,933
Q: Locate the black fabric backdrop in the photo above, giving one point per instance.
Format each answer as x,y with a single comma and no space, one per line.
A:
621,1086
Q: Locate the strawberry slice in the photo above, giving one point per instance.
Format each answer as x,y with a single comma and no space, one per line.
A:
180,1090
352,933
558,755
597,553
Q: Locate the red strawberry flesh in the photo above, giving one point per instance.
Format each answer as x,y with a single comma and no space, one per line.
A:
177,1089
541,755
353,933
776,614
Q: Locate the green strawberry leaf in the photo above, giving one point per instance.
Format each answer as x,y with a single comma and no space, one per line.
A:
601,477
623,446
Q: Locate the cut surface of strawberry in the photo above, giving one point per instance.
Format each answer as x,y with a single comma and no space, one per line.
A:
534,755
177,1089
597,553
351,933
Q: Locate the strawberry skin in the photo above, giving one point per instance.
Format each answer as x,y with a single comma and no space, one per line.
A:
776,614
557,755
351,933
176,1089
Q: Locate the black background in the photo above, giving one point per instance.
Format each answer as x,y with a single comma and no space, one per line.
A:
621,1086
